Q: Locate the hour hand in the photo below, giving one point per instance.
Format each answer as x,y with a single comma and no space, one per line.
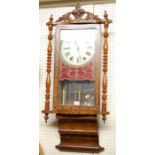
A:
77,47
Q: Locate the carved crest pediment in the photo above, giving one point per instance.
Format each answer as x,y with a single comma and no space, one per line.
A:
79,16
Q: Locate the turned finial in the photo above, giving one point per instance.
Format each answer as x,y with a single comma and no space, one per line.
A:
51,18
105,14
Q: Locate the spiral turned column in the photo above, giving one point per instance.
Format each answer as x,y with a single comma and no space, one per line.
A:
49,61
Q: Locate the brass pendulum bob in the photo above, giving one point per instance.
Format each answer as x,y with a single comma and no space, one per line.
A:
78,95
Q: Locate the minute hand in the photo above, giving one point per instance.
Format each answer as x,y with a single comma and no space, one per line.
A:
78,50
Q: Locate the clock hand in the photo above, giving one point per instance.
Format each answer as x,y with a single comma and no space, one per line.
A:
78,50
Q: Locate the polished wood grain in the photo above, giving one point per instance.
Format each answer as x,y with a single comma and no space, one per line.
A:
79,135
49,61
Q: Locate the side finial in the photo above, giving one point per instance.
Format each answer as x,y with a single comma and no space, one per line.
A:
105,14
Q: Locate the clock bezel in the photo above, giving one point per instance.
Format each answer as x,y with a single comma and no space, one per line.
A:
70,109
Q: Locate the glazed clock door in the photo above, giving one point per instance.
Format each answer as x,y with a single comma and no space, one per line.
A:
77,67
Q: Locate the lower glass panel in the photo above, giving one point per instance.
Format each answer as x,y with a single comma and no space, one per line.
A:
76,93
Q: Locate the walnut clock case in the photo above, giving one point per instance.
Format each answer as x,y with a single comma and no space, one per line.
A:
77,72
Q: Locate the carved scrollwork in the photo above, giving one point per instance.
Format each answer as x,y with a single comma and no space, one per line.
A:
79,16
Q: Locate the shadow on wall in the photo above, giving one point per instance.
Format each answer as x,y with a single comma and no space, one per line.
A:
56,3
41,152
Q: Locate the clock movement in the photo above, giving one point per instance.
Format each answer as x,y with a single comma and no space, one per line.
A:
80,47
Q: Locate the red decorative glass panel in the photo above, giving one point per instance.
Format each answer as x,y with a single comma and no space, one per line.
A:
76,73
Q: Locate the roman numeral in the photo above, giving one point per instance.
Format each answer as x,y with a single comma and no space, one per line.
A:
84,58
66,48
88,53
67,54
71,58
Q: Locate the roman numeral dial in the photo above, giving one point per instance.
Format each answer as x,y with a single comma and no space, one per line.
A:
79,47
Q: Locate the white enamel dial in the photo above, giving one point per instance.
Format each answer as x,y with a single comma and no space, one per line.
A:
78,46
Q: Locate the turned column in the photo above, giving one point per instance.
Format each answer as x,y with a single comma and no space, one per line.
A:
105,66
49,61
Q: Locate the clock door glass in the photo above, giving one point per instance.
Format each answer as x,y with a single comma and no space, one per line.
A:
77,46
77,93
77,49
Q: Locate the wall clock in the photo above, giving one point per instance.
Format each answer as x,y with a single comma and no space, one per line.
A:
77,72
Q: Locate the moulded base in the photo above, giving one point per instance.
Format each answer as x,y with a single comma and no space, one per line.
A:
79,134
91,149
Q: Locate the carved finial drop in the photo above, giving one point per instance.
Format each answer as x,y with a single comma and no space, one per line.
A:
46,118
104,118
